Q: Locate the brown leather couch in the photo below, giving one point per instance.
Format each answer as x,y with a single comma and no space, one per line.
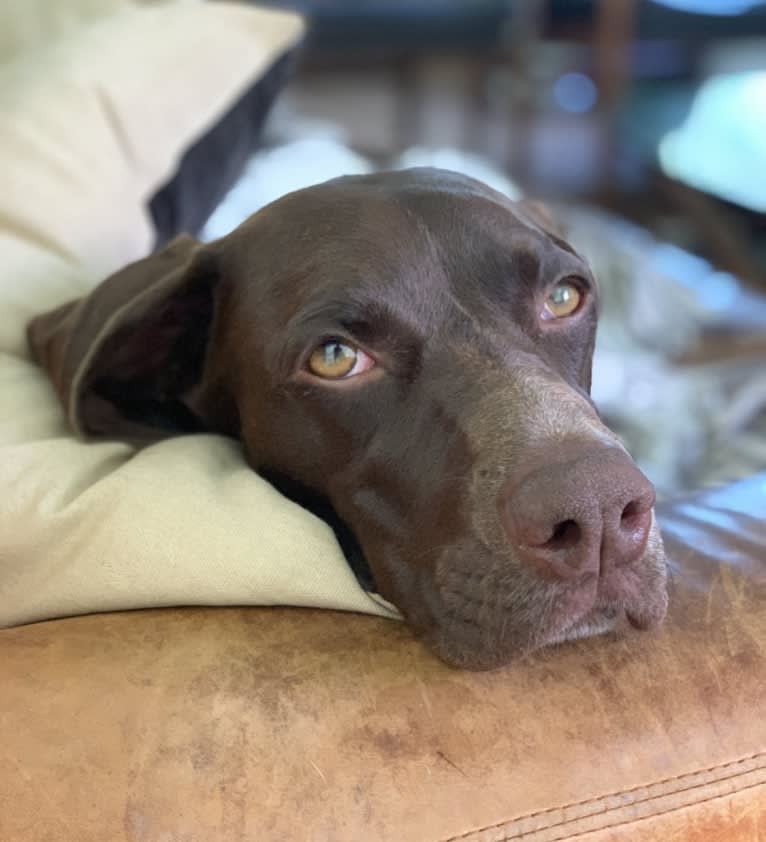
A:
280,724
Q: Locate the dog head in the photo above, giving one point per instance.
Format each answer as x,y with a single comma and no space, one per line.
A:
414,349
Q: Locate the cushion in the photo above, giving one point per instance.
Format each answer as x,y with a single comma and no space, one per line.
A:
213,164
31,24
92,127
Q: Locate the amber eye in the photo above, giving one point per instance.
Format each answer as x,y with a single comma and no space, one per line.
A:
563,300
335,360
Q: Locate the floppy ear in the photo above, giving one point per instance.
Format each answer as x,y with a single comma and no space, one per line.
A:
123,358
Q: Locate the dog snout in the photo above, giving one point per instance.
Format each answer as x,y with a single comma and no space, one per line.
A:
580,517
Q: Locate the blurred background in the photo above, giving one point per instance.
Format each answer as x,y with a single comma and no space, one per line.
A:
641,122
654,108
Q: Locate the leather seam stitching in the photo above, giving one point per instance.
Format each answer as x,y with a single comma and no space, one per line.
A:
615,793
639,818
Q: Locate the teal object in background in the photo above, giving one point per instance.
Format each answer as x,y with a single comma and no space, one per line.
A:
720,147
711,7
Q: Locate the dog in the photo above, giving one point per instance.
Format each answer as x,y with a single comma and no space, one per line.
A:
409,352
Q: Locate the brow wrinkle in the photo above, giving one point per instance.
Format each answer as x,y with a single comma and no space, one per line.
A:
474,321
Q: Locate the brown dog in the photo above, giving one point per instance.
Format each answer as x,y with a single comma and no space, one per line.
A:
414,349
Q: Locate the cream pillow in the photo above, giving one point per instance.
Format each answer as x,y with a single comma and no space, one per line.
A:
91,127
30,24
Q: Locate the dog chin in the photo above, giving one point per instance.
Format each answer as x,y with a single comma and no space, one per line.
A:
596,622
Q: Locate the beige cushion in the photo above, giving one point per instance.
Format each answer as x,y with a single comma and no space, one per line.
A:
91,127
30,24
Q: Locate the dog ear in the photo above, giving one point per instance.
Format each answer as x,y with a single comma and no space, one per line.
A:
123,358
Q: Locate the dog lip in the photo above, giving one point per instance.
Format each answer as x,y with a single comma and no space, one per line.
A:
649,615
598,620
582,614
637,620
645,604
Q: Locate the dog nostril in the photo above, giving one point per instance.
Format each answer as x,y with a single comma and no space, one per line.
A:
566,534
624,542
578,518
632,515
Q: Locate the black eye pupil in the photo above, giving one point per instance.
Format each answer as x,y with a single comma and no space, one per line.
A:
334,352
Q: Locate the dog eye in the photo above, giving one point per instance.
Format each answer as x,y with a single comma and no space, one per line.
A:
563,300
336,360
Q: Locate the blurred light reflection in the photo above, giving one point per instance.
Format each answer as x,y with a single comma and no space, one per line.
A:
711,7
575,93
720,148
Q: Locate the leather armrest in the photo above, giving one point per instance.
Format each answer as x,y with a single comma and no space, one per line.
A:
281,724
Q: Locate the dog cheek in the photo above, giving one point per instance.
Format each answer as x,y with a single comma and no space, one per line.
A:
486,608
295,438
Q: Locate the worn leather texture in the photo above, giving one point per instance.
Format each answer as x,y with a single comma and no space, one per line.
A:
292,724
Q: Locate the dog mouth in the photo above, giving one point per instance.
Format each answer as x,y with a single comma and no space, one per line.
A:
609,605
594,623
487,620
605,618
477,610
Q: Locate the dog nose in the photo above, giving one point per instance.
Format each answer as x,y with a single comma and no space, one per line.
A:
579,517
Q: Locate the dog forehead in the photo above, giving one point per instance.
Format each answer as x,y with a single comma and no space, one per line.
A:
415,240
421,180
437,197
390,220
398,202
